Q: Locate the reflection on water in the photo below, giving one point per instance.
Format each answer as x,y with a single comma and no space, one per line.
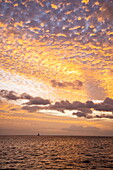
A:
56,152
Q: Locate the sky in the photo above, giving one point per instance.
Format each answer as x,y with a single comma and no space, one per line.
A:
56,67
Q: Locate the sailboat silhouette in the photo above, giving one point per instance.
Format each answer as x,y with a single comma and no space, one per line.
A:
38,134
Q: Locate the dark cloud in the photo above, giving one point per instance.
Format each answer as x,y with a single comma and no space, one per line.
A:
103,107
108,101
67,105
14,109
107,105
35,108
91,116
80,114
10,95
83,109
31,108
83,112
62,104
104,116
77,105
25,96
38,101
74,85
89,104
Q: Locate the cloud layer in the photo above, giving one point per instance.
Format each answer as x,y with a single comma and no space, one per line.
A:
38,101
10,95
78,108
87,130
67,40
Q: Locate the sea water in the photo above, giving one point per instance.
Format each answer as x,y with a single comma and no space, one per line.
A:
56,152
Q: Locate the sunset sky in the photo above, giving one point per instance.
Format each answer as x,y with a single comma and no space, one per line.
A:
56,67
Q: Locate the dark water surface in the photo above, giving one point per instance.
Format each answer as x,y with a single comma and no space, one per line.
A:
56,152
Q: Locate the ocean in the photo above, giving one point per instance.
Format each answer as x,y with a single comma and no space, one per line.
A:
56,152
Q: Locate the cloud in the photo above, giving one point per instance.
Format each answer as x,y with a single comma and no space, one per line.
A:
83,112
89,104
77,104
89,116
107,105
104,116
31,108
62,84
95,91
108,9
80,114
67,105
62,104
38,101
103,107
89,130
82,109
82,129
10,95
85,109
25,96
108,101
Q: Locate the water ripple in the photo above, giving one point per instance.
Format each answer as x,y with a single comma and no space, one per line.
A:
54,152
